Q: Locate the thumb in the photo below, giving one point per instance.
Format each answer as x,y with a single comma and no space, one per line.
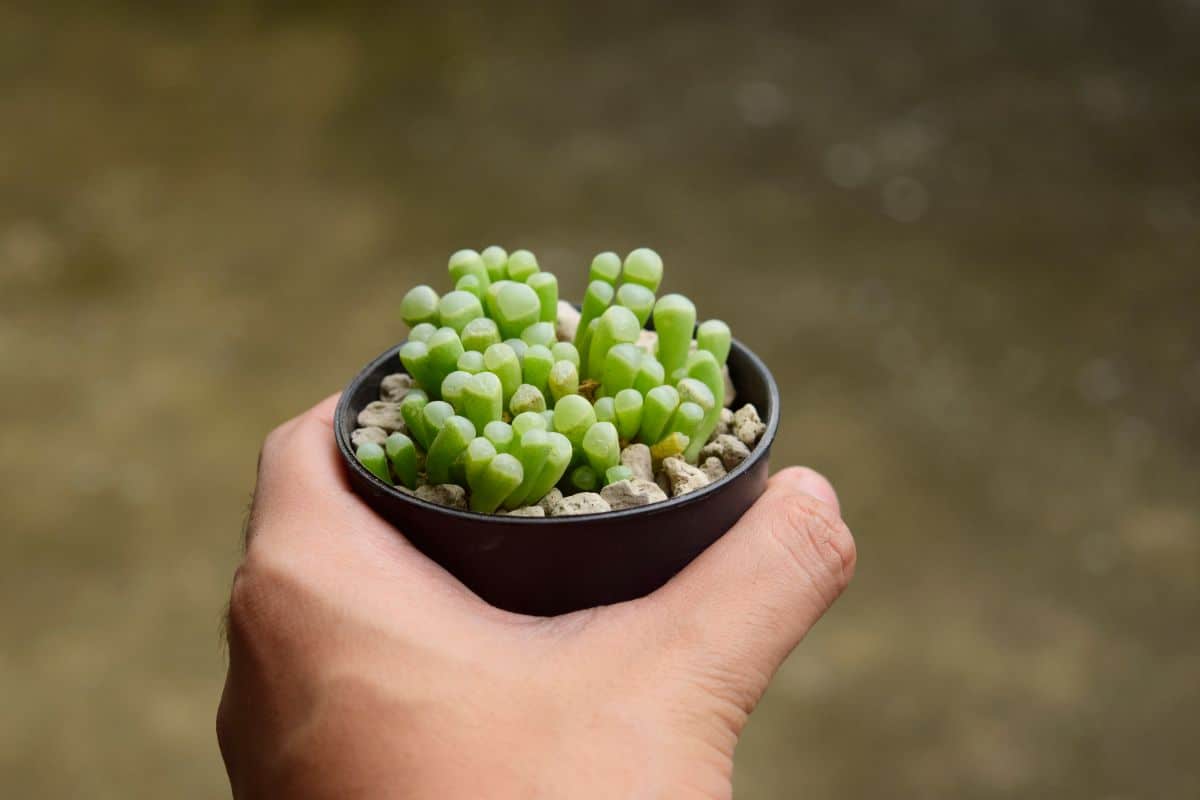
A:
747,601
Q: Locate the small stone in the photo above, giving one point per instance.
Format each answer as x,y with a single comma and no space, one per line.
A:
637,458
730,449
381,414
582,503
730,391
445,494
527,511
747,425
395,387
368,434
663,482
567,322
724,424
683,476
632,493
648,341
713,468
551,501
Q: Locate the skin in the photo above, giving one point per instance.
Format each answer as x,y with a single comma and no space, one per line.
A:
401,682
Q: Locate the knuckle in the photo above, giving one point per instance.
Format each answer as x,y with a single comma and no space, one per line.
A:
817,542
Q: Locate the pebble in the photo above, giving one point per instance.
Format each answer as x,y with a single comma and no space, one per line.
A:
632,493
648,341
382,414
370,433
395,387
683,476
713,468
730,449
445,494
567,322
747,425
663,482
527,511
637,458
582,503
551,501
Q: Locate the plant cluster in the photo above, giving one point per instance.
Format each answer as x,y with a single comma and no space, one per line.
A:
506,410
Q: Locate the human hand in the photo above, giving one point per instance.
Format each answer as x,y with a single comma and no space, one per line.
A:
360,668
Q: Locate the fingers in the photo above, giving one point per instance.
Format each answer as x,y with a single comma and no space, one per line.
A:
749,599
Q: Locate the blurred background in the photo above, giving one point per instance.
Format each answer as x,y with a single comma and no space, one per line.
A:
965,236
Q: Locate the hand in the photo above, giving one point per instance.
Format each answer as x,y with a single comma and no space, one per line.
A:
359,668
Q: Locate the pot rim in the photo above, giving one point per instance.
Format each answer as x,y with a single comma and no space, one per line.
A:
759,452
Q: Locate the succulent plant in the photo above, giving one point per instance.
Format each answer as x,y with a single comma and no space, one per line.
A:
504,408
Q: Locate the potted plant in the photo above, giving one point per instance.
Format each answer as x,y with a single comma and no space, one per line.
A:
554,457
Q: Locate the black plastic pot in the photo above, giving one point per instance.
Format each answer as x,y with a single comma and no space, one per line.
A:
554,565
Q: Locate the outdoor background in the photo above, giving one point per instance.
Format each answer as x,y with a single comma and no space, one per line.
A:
965,235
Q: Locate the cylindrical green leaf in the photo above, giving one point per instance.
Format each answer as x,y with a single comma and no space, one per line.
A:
435,415
565,351
596,299
627,407
468,262
372,456
563,380
606,410
412,408
602,446
415,358
402,455
502,474
422,332
539,333
532,450
618,473
638,299
660,404
555,466
470,283
480,334
617,325
605,267
502,360
476,457
650,374
500,434
548,416
686,419
573,415
483,399
457,308
452,389
674,320
521,264
584,344
452,439
495,258
444,349
471,361
691,389
702,365
526,398
584,478
419,305
518,346
714,336
515,308
621,367
644,267
545,285
527,421
536,366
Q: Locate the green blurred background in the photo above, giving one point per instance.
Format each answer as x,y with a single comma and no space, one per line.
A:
964,235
